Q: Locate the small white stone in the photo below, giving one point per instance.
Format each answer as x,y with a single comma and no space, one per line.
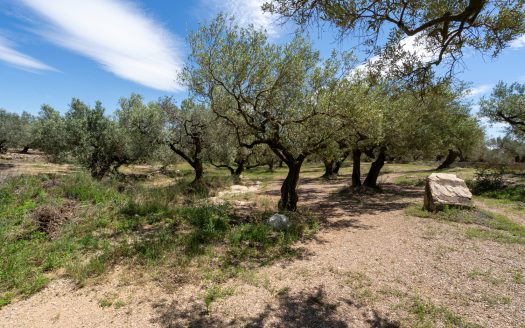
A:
279,221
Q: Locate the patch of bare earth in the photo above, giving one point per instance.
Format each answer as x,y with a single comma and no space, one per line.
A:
368,267
33,163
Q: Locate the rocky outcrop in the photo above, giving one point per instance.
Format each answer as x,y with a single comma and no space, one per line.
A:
443,189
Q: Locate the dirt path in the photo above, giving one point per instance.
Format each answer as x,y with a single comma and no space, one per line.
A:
370,266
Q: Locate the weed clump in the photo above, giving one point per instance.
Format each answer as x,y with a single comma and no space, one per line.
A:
52,218
483,224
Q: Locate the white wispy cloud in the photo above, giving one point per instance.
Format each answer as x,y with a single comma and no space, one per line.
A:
413,45
479,90
116,34
15,58
518,43
246,12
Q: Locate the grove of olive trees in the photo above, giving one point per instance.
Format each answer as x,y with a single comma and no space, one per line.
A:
297,184
254,102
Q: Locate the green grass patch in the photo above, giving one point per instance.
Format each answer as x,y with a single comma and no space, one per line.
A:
214,293
510,193
428,314
416,181
508,205
137,226
488,225
518,278
83,188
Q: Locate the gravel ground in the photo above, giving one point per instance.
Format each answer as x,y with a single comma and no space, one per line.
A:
367,267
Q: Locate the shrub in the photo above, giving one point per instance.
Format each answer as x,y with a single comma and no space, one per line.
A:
487,179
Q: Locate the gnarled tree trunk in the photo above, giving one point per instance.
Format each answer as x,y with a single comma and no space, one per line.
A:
3,148
240,168
328,168
195,161
339,163
451,157
462,157
289,197
356,167
375,169
199,170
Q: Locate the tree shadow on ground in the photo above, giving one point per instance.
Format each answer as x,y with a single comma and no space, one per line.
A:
338,207
332,199
389,198
6,166
304,309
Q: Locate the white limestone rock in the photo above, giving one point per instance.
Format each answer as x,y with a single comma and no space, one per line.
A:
443,189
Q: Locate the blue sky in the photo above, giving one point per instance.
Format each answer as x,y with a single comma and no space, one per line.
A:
52,51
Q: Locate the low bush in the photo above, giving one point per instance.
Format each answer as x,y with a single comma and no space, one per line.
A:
490,183
486,179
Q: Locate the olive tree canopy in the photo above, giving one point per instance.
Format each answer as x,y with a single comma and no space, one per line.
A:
506,104
277,95
442,28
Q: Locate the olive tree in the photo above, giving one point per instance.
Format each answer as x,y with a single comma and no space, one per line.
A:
143,125
49,132
333,156
9,128
95,140
360,108
184,130
27,122
277,95
224,151
187,132
463,137
442,28
506,104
